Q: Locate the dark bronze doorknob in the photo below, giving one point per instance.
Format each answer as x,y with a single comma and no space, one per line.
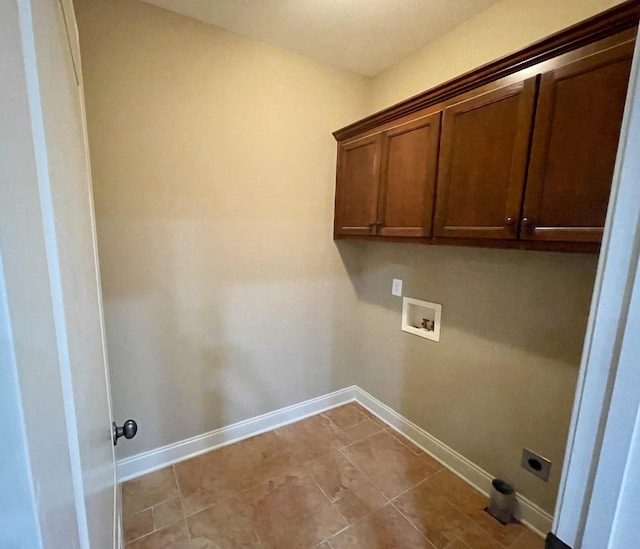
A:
128,430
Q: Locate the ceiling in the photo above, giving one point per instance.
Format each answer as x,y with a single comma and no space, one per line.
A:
364,36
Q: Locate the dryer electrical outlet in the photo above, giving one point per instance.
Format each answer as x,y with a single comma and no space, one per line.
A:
536,464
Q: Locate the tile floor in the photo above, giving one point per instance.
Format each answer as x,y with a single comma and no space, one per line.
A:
336,480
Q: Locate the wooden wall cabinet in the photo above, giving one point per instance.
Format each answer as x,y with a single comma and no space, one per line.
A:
518,154
575,140
358,182
483,163
386,181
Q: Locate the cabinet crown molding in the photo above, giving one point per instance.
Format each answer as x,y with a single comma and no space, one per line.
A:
603,25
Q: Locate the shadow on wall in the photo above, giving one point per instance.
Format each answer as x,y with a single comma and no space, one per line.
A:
201,337
535,301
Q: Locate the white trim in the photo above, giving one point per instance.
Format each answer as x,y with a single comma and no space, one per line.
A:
526,511
153,460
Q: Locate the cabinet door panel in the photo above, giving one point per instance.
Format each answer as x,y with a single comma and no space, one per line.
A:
357,186
574,147
409,160
483,159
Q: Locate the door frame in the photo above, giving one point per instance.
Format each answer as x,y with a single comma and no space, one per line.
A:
593,505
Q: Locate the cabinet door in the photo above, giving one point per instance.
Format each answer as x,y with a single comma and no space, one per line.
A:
408,178
357,186
483,160
574,147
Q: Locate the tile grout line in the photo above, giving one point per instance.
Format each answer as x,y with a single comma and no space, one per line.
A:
361,519
412,525
153,519
404,492
151,508
186,527
329,500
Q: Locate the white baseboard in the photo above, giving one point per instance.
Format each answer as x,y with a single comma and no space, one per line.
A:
526,511
146,462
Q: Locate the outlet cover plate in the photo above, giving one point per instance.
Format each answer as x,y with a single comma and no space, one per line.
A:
536,464
396,287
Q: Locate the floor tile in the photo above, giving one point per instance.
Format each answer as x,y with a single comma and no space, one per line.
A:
149,490
528,540
173,537
506,534
208,479
362,430
352,494
325,483
289,465
167,513
371,416
225,525
472,503
458,544
389,464
439,520
404,440
292,513
346,416
312,437
457,489
261,448
384,529
137,525
218,475
477,540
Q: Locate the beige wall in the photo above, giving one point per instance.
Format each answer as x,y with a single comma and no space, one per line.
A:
214,168
503,375
225,297
505,27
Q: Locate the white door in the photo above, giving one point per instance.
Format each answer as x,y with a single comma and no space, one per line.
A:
50,300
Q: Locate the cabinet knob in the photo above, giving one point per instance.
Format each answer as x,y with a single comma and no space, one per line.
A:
509,221
526,223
